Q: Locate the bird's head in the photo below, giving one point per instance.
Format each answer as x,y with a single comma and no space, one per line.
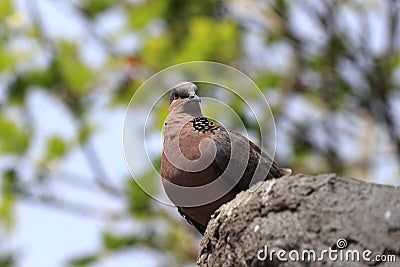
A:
184,99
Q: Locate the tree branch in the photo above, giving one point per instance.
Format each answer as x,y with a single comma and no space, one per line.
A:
52,201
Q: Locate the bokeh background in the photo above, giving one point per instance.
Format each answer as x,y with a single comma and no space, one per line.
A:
329,69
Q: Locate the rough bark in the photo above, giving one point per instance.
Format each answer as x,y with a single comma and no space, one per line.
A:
303,212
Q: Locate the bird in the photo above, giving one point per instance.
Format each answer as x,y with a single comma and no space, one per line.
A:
197,151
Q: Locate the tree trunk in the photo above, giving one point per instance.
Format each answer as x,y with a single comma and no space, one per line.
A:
303,214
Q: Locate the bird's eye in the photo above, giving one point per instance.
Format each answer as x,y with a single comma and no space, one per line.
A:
176,96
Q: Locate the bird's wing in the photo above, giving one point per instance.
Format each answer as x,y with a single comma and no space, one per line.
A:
246,156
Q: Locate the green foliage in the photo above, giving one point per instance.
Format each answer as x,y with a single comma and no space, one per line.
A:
56,148
74,73
210,40
161,115
159,49
7,260
6,60
141,14
197,35
114,242
178,243
395,62
206,39
92,8
24,81
18,89
13,139
6,8
173,240
269,81
6,211
85,133
83,261
7,198
139,202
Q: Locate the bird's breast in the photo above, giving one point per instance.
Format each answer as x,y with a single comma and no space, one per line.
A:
192,140
182,154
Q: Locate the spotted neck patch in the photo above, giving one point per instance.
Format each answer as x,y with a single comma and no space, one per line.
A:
203,124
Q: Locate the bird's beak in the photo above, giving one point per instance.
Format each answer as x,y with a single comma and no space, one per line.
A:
194,97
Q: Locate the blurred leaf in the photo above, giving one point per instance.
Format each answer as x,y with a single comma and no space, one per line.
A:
7,198
273,36
17,90
6,8
115,242
7,260
139,15
75,74
209,40
395,62
301,151
85,133
138,200
6,59
9,181
125,91
268,80
317,63
179,13
24,81
157,166
43,78
177,241
281,7
13,140
91,8
162,114
158,51
56,148
6,210
83,261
